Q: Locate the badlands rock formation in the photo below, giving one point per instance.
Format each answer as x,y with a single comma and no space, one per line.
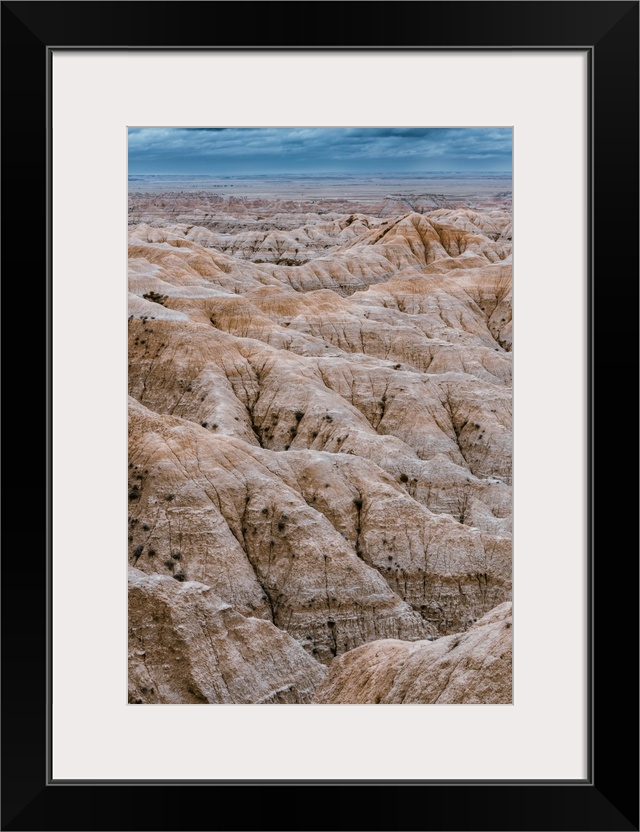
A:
469,668
188,646
320,447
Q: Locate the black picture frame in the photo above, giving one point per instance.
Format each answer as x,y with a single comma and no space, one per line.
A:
608,798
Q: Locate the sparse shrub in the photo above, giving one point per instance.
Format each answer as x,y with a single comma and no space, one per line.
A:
299,414
170,497
403,478
176,555
358,503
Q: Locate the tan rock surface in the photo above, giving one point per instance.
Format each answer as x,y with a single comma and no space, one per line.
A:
187,646
320,411
465,668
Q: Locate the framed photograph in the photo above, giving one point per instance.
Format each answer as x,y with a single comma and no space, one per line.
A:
315,260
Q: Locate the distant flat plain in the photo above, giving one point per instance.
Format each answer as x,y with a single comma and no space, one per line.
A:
362,187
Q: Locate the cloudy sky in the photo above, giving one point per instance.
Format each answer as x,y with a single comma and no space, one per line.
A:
234,151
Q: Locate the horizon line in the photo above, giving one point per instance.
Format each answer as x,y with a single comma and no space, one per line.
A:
324,173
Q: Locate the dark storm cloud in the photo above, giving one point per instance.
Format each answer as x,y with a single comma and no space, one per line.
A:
301,150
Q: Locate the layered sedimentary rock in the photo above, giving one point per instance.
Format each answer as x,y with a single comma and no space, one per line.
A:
323,438
187,646
466,668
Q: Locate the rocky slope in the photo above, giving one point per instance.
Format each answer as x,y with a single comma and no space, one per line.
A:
324,446
187,646
469,668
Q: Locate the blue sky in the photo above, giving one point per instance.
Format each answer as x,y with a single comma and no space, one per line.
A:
237,151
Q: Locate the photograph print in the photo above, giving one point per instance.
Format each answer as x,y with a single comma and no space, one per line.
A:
320,415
